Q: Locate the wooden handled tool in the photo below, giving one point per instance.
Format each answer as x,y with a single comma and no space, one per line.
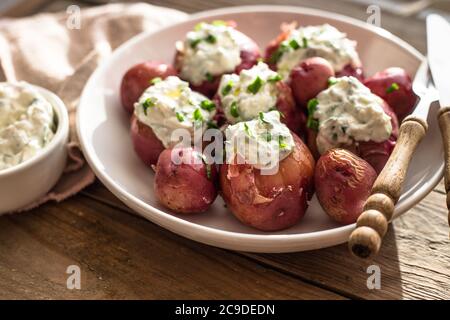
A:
372,224
444,124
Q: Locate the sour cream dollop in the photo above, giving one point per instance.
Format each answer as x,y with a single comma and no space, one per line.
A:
262,142
316,41
245,95
169,105
210,50
348,111
27,123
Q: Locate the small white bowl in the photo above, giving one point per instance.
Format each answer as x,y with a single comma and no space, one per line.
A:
26,182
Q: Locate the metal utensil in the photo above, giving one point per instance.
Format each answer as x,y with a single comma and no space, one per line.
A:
438,31
372,224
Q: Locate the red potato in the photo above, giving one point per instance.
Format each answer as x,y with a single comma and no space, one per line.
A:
309,78
187,187
138,78
250,53
147,146
343,182
384,84
375,153
352,71
270,202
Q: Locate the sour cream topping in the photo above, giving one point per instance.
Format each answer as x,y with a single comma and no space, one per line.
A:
245,95
210,50
316,41
27,123
262,142
169,105
346,112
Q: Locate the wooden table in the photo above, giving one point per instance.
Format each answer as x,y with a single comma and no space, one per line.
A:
123,256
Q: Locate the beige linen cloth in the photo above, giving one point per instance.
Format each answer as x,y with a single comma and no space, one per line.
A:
47,51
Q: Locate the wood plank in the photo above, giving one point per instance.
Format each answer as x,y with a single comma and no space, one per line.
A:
414,261
124,257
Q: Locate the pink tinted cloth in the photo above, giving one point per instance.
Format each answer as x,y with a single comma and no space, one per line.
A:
43,50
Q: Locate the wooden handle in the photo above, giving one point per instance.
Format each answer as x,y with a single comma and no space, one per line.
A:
444,124
372,224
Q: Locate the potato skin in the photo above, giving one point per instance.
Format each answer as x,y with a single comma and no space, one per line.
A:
137,79
146,145
351,71
343,182
250,53
402,100
310,77
186,187
270,202
375,153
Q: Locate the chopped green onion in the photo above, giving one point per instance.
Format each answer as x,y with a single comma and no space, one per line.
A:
219,23
208,171
255,85
155,80
211,39
234,109
180,117
207,105
281,143
312,106
247,129
227,89
274,78
149,102
261,117
267,136
305,42
393,87
209,77
294,44
194,43
312,123
212,125
276,56
331,81
198,115
199,26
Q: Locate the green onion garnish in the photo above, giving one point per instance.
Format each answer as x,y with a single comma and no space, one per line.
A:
312,106
282,144
227,89
331,81
149,102
393,87
234,109
305,42
155,80
261,117
255,85
194,43
294,44
274,78
211,39
180,117
198,115
209,77
207,105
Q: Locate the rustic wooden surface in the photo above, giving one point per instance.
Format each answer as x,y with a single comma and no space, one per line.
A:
123,256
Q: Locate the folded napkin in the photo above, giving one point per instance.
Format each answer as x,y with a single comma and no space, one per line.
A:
50,51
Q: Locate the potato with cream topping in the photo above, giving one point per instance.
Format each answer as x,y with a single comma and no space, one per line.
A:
259,89
164,107
347,115
294,45
268,175
211,50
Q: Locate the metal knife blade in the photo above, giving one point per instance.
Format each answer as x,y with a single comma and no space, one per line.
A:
423,87
438,32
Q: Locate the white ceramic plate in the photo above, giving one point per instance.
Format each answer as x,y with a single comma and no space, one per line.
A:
103,129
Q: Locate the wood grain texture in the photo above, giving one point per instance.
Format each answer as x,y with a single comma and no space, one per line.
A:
414,258
124,257
444,124
371,226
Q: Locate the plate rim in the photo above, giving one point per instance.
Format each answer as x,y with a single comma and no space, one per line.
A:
207,234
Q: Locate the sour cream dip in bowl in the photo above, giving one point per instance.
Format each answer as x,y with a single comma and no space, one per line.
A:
34,130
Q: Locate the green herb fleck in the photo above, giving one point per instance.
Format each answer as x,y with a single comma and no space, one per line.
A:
331,81
393,87
227,88
234,109
247,129
267,136
305,42
212,125
207,105
274,78
211,39
155,80
219,23
148,103
261,117
199,26
312,123
209,77
294,44
255,85
281,143
276,56
312,106
208,171
194,43
198,115
180,117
